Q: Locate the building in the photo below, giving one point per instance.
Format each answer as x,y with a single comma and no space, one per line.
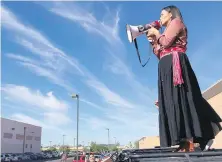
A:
213,95
12,137
149,142
121,147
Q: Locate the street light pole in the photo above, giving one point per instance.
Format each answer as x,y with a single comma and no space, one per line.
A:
115,140
31,144
50,143
74,142
63,142
77,118
83,143
24,141
108,138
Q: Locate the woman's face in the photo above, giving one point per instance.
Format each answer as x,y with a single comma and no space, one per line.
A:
91,158
165,17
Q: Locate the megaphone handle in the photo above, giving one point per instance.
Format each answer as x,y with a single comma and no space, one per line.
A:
138,54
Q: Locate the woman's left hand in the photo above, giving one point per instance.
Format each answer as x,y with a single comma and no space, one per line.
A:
153,32
157,103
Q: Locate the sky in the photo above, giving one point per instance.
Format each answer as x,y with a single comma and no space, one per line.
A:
53,49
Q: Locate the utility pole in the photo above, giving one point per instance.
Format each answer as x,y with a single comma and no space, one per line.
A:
77,123
63,142
24,141
108,138
74,142
115,140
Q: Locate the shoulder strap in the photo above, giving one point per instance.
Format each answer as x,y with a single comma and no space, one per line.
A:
138,54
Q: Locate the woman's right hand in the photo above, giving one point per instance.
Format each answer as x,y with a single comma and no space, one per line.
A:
150,39
157,103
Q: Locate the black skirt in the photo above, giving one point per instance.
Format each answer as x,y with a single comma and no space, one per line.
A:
183,112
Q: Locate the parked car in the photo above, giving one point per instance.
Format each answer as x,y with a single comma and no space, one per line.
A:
31,155
7,157
15,157
39,156
71,154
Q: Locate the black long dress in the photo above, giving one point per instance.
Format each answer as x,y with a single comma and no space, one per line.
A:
183,112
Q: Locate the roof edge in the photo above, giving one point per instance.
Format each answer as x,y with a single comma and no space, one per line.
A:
213,90
220,80
21,122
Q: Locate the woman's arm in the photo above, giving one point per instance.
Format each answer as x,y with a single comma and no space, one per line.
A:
156,49
172,31
155,46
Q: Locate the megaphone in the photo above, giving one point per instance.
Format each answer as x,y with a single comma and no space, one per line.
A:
134,31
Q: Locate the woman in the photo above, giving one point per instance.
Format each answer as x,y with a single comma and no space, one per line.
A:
185,116
91,158
64,157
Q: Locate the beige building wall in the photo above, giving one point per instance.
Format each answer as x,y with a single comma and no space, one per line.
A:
213,95
149,142
215,100
12,137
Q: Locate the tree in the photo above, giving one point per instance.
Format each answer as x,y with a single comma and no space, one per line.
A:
52,149
67,149
98,148
136,144
130,145
114,148
64,148
117,144
93,146
85,149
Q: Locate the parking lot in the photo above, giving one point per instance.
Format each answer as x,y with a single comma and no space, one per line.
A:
55,160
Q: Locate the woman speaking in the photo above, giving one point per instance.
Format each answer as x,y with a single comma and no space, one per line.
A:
185,116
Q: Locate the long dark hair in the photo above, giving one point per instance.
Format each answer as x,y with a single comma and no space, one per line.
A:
174,11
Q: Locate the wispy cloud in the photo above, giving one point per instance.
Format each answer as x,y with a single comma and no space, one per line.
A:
51,60
51,51
95,123
7,104
37,68
108,95
56,118
30,97
27,119
106,29
30,120
54,64
47,106
124,112
108,26
119,68
92,104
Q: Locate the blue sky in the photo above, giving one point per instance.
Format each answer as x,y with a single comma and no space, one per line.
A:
50,50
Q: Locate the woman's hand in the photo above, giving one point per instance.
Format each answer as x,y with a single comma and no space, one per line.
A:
153,32
157,103
150,38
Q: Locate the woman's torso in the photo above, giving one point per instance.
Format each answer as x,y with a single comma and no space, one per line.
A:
179,41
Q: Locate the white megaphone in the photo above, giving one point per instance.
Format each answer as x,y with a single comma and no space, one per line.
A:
132,32
135,31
